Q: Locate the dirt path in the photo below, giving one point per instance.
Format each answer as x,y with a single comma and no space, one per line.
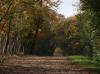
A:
40,65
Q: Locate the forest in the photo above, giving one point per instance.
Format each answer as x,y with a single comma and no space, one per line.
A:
33,27
35,37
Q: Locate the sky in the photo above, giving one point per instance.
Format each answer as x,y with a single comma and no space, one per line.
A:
67,9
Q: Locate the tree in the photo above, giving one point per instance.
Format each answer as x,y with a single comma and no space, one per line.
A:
91,12
27,20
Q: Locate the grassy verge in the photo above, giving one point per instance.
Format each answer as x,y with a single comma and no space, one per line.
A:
86,63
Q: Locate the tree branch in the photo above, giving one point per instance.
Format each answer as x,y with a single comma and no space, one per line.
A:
5,14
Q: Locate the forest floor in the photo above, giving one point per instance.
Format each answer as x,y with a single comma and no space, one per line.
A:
40,65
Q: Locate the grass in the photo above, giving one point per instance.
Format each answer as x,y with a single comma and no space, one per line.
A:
86,62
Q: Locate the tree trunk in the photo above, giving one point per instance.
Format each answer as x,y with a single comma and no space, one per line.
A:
36,34
8,36
38,21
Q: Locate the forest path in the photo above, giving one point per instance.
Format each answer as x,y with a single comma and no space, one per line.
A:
40,65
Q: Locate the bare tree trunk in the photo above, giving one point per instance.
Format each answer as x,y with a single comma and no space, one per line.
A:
6,40
8,36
